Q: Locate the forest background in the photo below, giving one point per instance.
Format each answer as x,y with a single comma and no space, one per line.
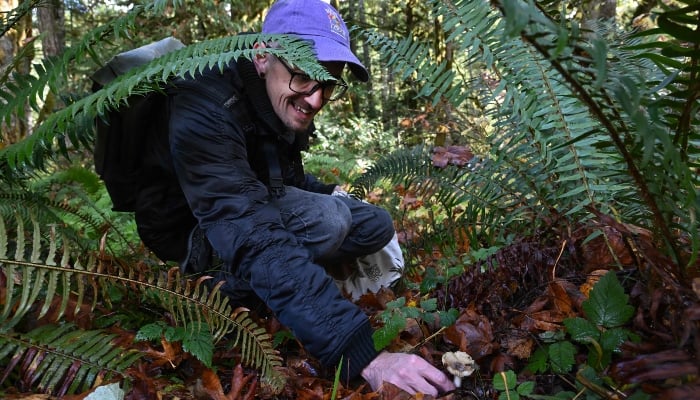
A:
540,160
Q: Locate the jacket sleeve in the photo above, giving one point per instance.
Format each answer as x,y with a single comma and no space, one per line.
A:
312,184
210,159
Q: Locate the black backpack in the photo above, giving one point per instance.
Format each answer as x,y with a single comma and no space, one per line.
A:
118,153
122,132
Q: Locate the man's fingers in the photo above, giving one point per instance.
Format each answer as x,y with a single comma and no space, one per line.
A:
443,383
418,387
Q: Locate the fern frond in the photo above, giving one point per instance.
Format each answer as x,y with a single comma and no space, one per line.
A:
14,15
33,150
51,72
61,359
616,88
575,116
488,208
412,59
37,268
535,171
192,303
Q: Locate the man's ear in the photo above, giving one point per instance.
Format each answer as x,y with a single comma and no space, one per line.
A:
261,61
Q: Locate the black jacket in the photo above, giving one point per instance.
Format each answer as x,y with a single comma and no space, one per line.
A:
212,171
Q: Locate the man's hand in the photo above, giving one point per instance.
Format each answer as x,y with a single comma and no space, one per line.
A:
409,372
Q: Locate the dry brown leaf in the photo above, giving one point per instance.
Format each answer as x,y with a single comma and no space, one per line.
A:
537,305
472,333
171,355
560,298
591,280
540,321
411,201
455,155
241,385
208,386
389,391
519,347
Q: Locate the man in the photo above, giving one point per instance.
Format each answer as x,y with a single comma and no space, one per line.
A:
270,237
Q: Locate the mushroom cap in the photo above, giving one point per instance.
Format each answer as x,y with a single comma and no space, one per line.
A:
459,363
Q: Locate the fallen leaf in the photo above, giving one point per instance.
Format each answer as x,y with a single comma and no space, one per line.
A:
455,155
472,333
519,347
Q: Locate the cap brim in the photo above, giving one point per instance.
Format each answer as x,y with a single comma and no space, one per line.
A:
330,50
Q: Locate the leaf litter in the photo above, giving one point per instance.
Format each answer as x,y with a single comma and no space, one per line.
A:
511,306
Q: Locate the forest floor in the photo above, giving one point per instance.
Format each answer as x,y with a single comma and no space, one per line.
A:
543,319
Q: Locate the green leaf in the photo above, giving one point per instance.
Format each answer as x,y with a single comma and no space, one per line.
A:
517,16
581,330
200,344
561,356
607,305
538,361
411,312
175,334
383,336
613,338
151,331
398,303
281,337
504,380
430,280
429,305
678,31
448,317
526,388
509,396
429,318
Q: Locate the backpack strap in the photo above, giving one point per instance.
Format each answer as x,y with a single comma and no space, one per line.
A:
269,123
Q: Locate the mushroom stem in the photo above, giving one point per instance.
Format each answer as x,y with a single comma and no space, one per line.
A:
457,380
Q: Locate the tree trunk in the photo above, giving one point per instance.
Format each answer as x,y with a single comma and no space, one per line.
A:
13,60
389,112
51,24
51,21
357,14
595,10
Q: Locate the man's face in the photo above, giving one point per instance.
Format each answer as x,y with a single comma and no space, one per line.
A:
295,110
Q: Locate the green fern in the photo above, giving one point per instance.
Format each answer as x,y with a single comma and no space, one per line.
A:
36,148
40,271
71,121
616,85
62,359
578,122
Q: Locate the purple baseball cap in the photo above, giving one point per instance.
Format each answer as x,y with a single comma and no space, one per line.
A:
319,22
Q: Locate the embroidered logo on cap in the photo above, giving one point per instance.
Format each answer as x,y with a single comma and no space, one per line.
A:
335,24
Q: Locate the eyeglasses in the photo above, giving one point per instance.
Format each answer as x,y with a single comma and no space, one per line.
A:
302,83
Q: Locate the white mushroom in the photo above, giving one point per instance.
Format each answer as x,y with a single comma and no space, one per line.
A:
459,364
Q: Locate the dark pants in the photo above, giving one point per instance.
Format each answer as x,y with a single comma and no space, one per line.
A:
334,229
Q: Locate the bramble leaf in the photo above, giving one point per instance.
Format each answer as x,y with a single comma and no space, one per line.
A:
607,305
504,380
391,329
151,331
538,361
561,356
581,330
611,339
200,344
